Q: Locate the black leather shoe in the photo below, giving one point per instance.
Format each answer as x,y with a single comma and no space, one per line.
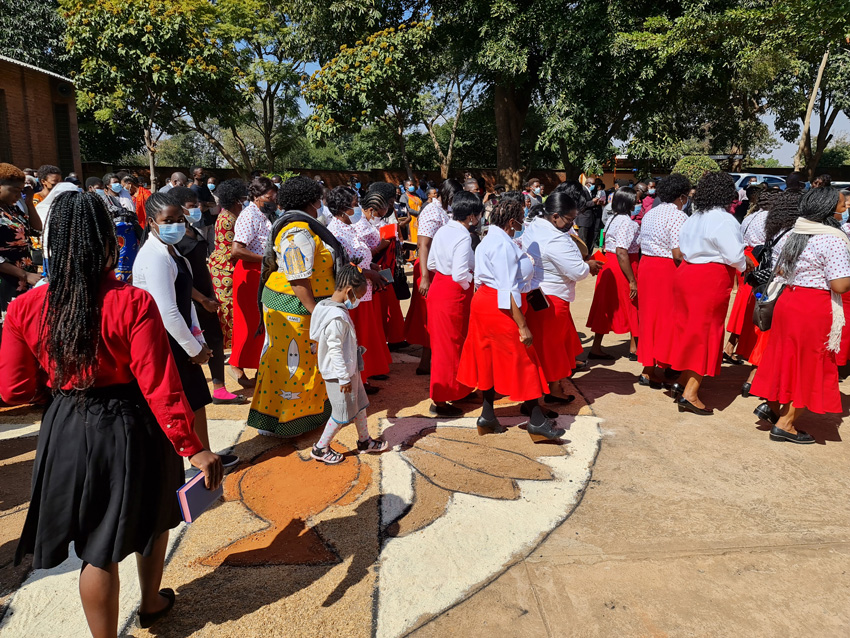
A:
745,390
676,390
646,381
687,406
380,377
632,356
603,356
147,620
552,398
371,389
734,359
486,426
445,410
545,432
778,434
549,414
764,412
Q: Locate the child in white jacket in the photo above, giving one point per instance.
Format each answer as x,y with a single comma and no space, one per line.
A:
340,363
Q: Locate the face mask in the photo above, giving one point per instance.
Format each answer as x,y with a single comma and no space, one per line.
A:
193,214
211,186
270,208
171,233
116,188
357,185
357,215
100,192
845,217
652,191
537,190
637,209
410,189
351,305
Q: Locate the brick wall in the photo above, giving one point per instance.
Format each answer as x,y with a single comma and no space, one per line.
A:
31,97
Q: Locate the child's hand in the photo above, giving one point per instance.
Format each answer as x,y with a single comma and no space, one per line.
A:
345,388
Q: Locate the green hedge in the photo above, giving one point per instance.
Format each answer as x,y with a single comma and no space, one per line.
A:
695,166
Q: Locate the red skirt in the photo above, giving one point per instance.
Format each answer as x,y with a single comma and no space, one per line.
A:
416,322
796,367
702,299
739,317
762,339
448,318
749,335
655,312
493,356
247,344
612,310
844,354
555,337
370,335
389,310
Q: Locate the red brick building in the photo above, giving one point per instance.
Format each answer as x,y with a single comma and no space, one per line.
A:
38,118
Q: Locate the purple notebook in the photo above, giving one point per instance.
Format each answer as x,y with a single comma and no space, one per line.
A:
195,498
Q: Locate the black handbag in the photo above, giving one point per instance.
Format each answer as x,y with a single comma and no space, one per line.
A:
761,274
766,296
400,285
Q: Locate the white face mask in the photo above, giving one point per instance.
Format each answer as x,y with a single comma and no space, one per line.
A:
351,305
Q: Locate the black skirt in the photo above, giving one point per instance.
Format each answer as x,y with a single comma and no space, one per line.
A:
105,478
192,376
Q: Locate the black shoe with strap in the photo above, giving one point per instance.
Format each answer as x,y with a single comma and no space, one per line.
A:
147,620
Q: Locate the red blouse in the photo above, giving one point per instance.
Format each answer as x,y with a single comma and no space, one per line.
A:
134,347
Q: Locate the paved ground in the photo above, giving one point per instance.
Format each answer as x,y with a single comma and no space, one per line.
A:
688,526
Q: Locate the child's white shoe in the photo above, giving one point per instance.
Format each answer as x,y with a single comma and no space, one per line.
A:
372,446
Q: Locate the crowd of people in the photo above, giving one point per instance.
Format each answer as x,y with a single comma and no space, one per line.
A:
113,298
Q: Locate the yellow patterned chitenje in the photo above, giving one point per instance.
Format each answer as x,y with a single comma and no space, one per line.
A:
322,279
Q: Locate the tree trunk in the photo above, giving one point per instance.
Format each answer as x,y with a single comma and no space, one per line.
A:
805,134
151,156
510,110
402,144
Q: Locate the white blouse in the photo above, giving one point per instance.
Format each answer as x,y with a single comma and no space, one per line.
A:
823,259
155,271
659,231
431,219
501,265
252,228
622,232
557,260
752,228
713,237
354,247
451,253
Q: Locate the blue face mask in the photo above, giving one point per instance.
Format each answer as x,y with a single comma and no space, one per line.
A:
211,186
637,209
357,185
845,217
411,188
116,188
171,233
100,191
351,305
357,215
193,214
652,191
537,190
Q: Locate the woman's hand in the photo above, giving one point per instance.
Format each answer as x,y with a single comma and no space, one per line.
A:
378,282
203,356
525,336
210,305
345,388
632,290
595,266
32,278
424,285
210,465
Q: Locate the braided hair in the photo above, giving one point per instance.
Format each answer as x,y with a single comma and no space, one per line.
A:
783,210
350,275
82,246
818,205
506,211
375,200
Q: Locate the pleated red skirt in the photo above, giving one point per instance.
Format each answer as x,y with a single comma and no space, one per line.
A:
493,356
448,321
612,310
655,311
796,367
370,335
556,340
389,310
748,335
247,344
844,354
416,322
702,299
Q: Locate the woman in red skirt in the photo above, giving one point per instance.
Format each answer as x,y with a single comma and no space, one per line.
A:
498,355
713,249
433,217
366,316
250,233
843,357
451,260
615,303
799,370
558,265
660,256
